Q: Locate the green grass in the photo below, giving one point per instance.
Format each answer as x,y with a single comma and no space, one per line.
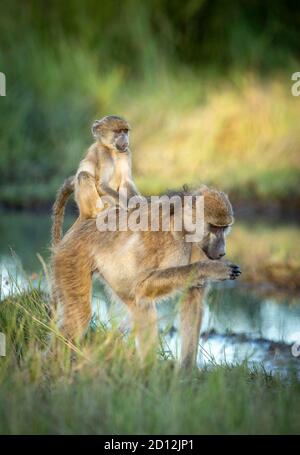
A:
103,390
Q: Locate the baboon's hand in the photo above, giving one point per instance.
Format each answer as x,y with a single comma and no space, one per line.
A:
235,271
226,270
220,270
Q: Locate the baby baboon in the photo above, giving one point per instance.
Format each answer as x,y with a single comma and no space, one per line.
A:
105,171
141,268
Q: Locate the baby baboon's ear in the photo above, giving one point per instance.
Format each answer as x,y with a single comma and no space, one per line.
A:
96,129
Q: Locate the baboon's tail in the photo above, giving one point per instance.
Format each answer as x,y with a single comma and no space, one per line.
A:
58,209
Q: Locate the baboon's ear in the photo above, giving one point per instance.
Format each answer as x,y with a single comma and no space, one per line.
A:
96,129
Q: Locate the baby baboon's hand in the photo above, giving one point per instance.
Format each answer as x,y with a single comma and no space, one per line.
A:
220,270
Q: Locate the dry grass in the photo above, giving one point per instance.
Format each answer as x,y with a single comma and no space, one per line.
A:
267,256
241,135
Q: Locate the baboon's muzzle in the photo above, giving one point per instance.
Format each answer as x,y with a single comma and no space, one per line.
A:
122,143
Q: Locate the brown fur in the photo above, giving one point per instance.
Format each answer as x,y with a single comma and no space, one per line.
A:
141,268
104,171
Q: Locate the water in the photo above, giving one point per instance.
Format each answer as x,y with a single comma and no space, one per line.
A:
240,322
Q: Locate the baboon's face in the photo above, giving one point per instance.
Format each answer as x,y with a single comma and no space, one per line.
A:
120,139
113,133
214,241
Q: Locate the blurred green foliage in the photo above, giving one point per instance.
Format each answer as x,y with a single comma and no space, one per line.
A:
67,63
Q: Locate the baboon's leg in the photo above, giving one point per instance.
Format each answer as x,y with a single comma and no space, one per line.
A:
144,315
191,312
87,196
72,291
158,283
144,318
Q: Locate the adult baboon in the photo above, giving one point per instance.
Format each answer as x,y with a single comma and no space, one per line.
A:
105,171
141,268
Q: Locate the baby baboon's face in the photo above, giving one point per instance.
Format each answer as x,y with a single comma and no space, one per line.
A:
214,241
121,139
112,132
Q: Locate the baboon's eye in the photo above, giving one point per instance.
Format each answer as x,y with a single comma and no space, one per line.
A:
214,228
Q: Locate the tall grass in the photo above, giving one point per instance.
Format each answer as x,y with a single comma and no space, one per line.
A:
102,389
